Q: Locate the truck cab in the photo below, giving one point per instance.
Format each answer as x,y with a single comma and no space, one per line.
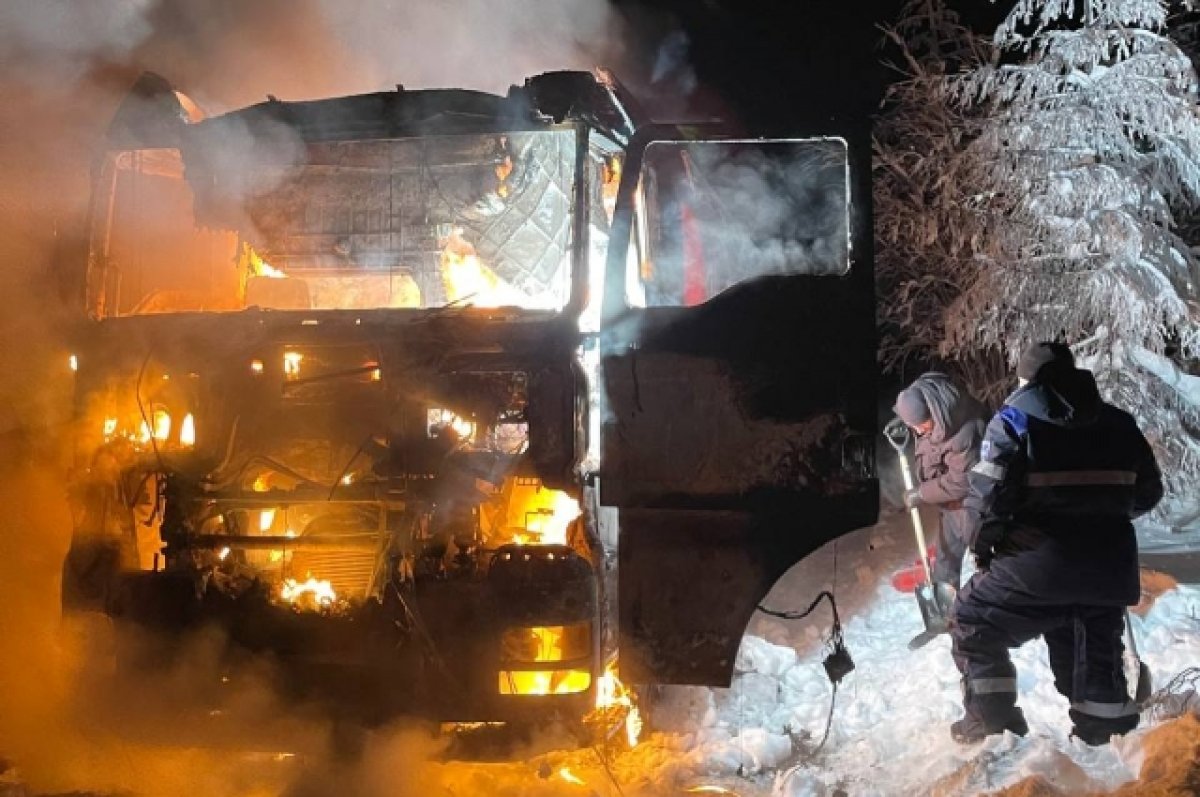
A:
442,399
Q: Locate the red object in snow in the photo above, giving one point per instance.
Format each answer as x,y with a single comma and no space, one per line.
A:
908,579
695,274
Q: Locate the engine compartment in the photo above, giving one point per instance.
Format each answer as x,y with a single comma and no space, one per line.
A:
353,490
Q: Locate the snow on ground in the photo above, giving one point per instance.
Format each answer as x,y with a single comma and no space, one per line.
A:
889,735
890,731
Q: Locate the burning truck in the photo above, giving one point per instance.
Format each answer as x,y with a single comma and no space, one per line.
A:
441,398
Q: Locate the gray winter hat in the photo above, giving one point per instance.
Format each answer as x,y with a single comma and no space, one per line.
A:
911,407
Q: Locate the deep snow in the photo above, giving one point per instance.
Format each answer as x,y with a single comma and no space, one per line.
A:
890,732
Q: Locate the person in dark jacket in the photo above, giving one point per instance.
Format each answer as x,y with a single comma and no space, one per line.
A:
1060,477
949,425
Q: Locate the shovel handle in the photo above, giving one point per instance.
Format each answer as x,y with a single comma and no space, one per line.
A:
914,513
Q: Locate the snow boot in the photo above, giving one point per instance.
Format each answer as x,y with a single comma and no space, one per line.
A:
970,730
1096,731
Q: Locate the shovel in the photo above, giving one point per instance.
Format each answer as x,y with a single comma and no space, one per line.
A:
934,603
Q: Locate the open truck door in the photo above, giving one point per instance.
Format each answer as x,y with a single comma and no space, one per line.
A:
738,359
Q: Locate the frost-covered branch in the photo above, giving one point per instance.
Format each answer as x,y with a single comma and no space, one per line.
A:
1033,193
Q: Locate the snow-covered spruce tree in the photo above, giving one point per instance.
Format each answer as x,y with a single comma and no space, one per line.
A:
1090,146
929,222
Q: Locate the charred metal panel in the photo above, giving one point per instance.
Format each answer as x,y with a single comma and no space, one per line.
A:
736,438
689,580
761,390
683,436
546,585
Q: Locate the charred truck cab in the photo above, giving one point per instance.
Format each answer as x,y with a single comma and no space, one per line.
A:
387,387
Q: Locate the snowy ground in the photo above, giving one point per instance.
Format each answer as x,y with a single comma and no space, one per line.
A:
890,729
889,734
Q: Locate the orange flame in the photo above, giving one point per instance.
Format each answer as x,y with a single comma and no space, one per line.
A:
260,267
187,431
312,593
611,693
544,682
570,777
468,280
546,516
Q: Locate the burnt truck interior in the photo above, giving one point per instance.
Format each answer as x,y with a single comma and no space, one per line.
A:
440,399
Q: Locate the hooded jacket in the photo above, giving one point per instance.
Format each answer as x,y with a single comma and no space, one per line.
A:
946,455
1060,477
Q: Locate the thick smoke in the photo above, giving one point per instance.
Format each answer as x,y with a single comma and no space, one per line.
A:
64,67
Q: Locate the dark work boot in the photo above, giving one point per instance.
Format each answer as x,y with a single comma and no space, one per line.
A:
970,730
1094,731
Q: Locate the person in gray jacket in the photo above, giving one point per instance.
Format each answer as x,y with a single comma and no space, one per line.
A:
949,425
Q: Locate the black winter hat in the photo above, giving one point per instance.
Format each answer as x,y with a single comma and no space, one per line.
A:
1042,357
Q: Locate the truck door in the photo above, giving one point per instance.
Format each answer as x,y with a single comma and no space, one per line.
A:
738,360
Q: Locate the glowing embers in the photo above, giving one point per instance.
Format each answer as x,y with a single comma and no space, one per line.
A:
544,682
310,595
570,777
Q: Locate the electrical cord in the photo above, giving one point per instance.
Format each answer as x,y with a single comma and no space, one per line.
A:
786,615
837,664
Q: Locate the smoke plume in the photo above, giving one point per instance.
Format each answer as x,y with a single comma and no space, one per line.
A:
64,67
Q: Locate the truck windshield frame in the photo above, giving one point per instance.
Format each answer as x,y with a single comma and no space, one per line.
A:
487,220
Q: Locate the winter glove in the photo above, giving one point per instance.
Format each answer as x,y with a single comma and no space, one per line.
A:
983,558
912,498
983,546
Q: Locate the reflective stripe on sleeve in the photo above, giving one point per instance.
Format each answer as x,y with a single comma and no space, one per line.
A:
1082,478
989,469
1106,711
991,686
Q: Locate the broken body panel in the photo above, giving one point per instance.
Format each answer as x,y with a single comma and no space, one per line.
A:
361,374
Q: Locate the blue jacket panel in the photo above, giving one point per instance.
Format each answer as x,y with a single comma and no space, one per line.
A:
1060,477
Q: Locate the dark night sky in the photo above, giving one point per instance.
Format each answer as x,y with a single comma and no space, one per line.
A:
777,62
